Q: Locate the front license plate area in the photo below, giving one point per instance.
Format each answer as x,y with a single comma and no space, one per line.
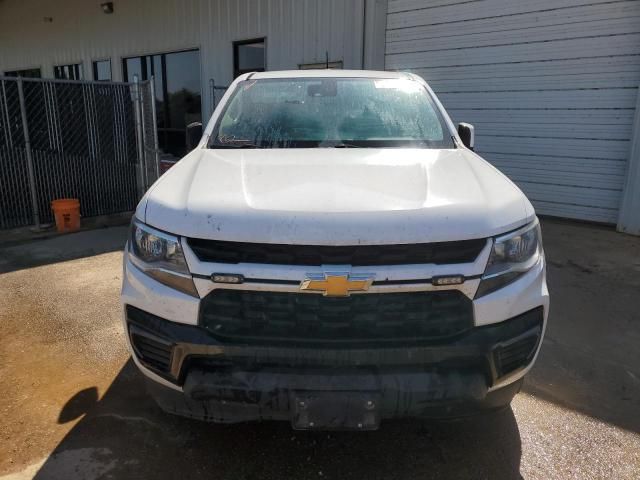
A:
335,411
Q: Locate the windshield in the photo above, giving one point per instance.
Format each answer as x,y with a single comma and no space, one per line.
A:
330,112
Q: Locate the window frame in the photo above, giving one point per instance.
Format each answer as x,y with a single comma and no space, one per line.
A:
94,70
336,65
237,71
16,70
123,60
80,70
163,75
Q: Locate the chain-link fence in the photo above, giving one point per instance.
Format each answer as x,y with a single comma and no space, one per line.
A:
94,141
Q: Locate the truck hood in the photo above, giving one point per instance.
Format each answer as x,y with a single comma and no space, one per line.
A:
328,196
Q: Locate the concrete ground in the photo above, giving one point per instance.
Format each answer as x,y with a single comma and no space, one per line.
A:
73,405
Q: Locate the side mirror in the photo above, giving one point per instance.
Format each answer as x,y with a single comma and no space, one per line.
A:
467,134
194,134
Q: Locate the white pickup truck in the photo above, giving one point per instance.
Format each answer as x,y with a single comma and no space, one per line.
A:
333,253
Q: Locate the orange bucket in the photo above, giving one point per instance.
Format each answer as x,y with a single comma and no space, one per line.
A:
67,214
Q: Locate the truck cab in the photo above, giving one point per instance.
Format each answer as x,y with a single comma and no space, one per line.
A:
333,253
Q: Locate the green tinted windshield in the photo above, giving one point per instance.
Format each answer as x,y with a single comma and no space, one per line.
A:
330,112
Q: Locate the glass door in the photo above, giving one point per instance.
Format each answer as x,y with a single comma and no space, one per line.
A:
178,93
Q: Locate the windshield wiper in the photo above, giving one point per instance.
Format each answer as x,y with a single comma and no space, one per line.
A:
230,141
236,145
347,145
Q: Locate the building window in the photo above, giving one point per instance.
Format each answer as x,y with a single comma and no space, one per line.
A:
249,56
26,73
178,95
321,66
68,72
102,70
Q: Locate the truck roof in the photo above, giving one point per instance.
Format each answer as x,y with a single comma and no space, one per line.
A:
324,73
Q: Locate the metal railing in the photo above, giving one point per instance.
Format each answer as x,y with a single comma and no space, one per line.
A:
94,141
216,93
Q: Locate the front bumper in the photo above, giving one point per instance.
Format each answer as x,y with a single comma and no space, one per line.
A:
363,399
201,377
231,383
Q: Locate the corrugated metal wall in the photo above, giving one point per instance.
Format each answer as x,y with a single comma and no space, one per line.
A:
297,31
550,85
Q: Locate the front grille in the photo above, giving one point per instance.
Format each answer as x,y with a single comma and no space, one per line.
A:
511,357
253,316
463,251
154,354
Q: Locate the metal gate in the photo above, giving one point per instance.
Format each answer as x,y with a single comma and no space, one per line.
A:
216,92
94,141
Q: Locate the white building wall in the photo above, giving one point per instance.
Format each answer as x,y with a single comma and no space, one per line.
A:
551,86
296,31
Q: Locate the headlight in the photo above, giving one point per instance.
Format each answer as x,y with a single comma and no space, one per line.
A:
513,255
159,255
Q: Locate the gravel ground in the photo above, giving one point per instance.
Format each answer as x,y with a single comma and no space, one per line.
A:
74,406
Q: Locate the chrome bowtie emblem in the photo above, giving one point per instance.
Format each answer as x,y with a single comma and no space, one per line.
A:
337,284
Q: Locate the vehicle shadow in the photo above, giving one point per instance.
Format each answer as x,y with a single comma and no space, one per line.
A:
585,383
590,361
35,253
125,435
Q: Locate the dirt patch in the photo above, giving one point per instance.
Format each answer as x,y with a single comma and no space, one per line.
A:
64,336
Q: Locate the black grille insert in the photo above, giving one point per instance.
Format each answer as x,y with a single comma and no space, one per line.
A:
155,354
253,316
513,356
463,251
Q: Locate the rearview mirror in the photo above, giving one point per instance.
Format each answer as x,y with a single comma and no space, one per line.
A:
194,134
467,134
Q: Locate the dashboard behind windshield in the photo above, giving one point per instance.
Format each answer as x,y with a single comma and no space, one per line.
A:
330,112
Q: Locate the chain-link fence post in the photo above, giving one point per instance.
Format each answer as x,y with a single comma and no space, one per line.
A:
29,155
212,87
143,117
137,103
154,120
